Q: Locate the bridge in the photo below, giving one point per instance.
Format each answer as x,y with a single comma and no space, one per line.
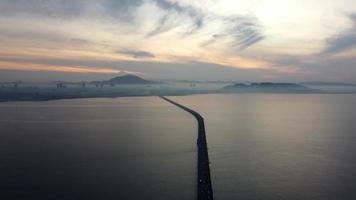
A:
205,191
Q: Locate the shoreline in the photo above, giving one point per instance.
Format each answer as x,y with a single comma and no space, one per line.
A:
38,98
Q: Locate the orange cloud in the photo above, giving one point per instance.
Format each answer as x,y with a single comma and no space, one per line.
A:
55,68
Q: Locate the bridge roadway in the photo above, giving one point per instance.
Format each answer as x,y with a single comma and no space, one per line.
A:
205,190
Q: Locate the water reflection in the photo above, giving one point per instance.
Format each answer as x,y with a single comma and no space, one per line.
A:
124,148
280,146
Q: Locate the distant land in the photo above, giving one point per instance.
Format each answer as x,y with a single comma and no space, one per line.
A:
132,85
269,87
328,83
126,79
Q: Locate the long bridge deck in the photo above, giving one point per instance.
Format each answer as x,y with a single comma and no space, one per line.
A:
205,190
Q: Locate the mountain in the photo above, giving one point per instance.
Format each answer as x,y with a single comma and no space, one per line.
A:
268,87
126,79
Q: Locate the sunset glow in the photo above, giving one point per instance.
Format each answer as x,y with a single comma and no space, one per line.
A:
276,37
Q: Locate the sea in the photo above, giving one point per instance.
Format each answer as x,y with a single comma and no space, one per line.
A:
261,146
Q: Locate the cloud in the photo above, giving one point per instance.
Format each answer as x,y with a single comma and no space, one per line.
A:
174,6
79,42
240,31
174,69
246,31
163,26
167,5
166,22
137,54
121,4
49,8
55,68
122,10
66,9
343,41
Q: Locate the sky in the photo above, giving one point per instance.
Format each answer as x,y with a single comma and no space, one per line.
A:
230,40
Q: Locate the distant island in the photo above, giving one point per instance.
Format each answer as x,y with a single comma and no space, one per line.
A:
268,87
132,85
328,84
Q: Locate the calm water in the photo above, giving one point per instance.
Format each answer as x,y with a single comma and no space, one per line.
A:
262,146
280,146
122,148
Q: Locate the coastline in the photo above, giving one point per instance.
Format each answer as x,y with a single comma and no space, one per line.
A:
48,95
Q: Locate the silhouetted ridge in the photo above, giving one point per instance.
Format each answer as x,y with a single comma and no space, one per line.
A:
267,87
129,79
126,79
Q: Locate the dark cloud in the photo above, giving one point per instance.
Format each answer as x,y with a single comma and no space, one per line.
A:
241,31
343,41
64,8
166,22
198,23
120,9
174,6
167,5
49,8
245,31
137,54
120,5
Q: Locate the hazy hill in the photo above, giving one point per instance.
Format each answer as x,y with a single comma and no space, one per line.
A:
267,87
328,84
126,79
